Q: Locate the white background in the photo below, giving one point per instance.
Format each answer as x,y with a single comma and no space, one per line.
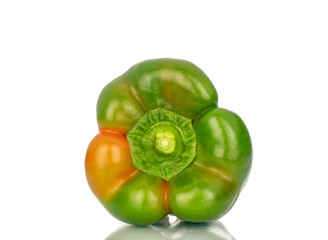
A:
267,59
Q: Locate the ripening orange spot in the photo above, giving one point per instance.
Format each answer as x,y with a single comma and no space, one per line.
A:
108,164
122,179
166,193
112,131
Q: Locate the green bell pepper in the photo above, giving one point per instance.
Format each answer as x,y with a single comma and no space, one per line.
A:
165,147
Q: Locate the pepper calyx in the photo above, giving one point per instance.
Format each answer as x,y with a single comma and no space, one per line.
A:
162,143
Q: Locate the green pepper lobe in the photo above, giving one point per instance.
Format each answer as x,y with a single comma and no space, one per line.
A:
162,143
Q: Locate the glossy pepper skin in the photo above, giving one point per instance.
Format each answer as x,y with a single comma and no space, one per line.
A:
166,147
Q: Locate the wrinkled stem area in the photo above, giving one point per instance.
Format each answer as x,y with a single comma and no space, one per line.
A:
162,143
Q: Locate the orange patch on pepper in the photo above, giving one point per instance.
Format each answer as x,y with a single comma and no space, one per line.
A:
108,164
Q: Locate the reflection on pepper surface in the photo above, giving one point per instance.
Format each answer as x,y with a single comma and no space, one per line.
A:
177,230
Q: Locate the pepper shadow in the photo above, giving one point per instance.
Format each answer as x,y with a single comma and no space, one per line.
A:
177,230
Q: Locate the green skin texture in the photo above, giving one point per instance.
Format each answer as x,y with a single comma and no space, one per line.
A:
209,186
139,201
175,85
